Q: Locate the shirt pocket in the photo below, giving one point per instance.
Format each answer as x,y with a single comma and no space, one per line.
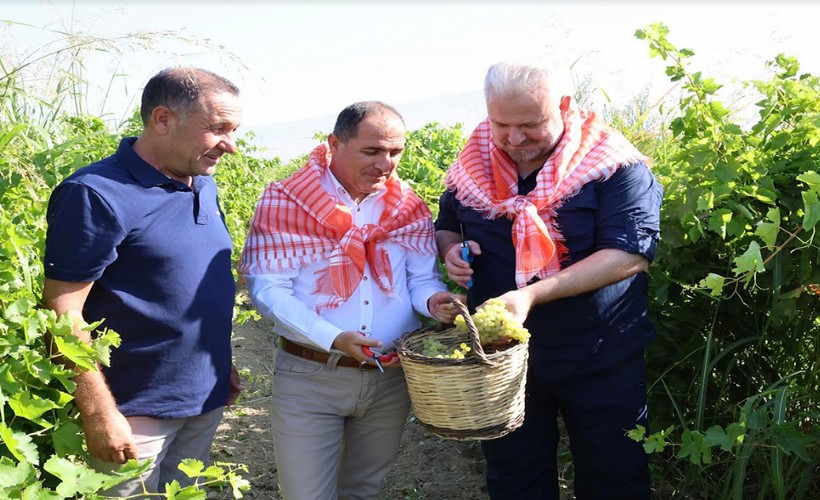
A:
576,218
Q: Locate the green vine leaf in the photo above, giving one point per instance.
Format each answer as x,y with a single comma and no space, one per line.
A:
74,478
811,207
714,283
750,262
20,445
14,475
67,439
792,440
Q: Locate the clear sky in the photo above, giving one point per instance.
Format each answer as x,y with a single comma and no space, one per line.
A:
298,60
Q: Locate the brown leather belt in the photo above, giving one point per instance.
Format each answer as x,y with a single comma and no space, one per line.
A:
319,356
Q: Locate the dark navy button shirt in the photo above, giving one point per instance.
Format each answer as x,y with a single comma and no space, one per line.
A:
574,336
159,255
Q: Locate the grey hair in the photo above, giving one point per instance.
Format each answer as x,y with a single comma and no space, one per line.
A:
510,80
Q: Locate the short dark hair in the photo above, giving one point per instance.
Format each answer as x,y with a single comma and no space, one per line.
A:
180,89
347,123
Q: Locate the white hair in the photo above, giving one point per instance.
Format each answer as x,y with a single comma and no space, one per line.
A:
508,80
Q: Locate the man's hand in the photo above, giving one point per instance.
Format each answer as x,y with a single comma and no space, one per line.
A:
234,386
109,437
518,302
441,306
351,344
457,268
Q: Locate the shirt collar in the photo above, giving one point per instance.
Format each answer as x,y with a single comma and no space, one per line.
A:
333,186
141,170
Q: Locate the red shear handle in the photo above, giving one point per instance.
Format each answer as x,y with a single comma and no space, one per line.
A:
384,358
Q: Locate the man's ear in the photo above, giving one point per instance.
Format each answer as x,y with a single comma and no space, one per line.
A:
333,142
161,118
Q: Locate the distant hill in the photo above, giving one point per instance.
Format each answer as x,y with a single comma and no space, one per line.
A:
291,139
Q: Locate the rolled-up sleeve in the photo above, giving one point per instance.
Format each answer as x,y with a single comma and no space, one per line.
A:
628,211
447,219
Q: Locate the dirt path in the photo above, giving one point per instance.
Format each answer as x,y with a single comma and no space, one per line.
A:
428,468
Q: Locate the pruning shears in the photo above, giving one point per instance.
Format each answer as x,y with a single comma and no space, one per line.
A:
378,357
466,255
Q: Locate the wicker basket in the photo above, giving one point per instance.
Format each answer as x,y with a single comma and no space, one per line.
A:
478,397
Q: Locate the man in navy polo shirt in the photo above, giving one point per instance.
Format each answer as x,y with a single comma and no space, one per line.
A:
138,240
562,216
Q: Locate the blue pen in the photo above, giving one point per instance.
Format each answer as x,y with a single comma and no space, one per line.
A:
466,255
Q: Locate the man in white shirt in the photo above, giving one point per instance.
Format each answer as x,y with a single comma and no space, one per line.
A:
341,255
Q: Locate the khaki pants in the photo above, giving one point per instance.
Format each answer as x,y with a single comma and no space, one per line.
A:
167,442
335,429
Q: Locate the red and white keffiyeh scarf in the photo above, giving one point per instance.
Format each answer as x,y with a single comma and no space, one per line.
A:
297,222
485,178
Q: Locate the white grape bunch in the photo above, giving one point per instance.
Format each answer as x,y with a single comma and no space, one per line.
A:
492,321
432,348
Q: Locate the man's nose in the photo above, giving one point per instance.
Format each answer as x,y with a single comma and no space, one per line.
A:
228,143
516,137
385,163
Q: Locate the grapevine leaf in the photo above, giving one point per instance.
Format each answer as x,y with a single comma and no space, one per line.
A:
736,433
718,221
131,469
8,385
36,492
31,406
191,467
76,350
694,447
811,178
17,311
750,261
14,476
717,109
768,231
714,282
74,478
19,444
67,439
102,346
190,493
811,207
655,443
716,436
792,440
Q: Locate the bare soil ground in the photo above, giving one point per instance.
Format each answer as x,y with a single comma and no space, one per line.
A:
427,468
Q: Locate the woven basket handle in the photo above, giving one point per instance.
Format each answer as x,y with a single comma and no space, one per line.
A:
475,340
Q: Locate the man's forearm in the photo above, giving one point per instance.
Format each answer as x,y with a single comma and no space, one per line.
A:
600,269
445,240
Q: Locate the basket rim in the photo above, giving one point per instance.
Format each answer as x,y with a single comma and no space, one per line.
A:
495,356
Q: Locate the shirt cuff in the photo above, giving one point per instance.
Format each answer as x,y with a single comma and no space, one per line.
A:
324,333
421,296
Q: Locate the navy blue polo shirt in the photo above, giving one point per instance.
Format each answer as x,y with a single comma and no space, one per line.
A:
574,336
159,255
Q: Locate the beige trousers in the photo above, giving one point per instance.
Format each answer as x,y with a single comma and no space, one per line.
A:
167,442
335,429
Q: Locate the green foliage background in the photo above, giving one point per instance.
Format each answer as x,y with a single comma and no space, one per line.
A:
734,392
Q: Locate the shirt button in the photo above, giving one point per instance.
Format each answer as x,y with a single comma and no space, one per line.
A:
364,278
366,302
364,327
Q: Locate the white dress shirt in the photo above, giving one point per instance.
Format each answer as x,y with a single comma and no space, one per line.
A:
286,296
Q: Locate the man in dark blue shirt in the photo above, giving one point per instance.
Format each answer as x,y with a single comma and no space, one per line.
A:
562,216
138,240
